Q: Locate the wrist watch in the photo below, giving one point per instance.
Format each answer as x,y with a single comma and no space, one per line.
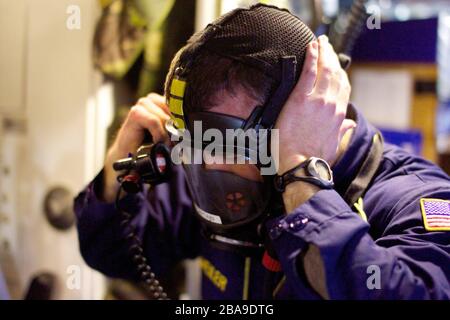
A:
314,170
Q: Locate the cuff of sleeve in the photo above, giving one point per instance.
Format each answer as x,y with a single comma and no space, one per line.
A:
88,202
311,217
325,221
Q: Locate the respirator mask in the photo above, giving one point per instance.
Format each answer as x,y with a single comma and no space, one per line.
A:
231,203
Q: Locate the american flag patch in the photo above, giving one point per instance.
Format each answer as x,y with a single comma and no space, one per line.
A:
436,214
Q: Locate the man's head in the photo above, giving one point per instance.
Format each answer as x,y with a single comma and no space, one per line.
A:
235,74
238,57
222,85
235,64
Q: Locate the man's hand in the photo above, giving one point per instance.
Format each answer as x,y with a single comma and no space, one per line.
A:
312,122
149,113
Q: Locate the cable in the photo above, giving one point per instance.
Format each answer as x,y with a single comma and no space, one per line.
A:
344,40
137,253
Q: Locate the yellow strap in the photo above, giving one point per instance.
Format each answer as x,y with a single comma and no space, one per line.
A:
359,206
178,87
248,262
279,286
176,106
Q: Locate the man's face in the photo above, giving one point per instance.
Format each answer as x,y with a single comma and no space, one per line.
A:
238,104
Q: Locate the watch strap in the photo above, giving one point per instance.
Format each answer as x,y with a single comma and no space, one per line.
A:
289,176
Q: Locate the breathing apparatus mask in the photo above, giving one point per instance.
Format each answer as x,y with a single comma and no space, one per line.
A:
231,206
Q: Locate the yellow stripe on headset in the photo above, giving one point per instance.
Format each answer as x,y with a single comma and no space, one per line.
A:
176,106
177,89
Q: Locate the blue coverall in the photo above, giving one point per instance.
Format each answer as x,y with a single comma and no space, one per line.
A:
334,255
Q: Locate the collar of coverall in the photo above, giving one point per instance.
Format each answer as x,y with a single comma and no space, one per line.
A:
346,169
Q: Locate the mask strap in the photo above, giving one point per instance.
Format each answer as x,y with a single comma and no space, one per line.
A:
273,108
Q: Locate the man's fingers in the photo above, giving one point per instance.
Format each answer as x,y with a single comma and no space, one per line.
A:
151,113
159,100
141,119
152,107
328,67
343,95
339,75
324,70
333,57
309,73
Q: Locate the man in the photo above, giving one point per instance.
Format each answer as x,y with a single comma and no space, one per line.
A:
376,227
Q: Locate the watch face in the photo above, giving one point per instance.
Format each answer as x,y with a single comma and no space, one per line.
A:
320,169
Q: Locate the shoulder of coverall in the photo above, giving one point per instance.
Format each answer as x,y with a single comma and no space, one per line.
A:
401,177
402,180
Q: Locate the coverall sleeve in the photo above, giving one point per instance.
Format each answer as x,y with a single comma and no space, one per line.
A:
162,218
326,251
